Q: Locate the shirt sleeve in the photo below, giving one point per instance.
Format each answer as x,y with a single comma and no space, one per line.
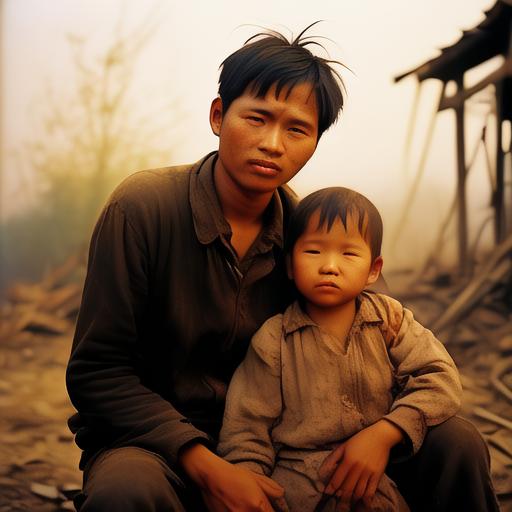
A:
429,388
254,403
102,377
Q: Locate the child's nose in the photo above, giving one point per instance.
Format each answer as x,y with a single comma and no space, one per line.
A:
329,267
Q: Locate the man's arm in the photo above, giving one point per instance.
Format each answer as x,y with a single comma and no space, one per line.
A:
226,486
240,480
103,379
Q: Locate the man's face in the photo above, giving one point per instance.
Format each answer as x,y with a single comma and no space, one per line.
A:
264,142
331,267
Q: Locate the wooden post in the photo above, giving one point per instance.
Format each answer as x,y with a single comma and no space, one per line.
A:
498,203
461,183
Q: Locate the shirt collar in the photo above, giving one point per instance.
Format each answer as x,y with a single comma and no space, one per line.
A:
209,221
295,318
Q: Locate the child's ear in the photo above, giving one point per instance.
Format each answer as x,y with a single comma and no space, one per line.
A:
216,113
289,271
375,270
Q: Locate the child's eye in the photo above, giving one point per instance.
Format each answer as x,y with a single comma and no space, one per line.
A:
312,251
348,253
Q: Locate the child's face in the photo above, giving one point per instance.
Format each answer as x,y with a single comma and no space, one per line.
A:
330,268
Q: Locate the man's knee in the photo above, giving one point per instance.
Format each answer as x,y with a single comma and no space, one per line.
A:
458,441
129,479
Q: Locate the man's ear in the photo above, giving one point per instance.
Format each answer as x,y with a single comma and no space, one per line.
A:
289,271
375,270
216,113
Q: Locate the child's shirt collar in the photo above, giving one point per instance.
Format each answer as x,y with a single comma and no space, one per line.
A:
296,318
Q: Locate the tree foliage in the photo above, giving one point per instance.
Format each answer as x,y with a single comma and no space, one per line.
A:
86,143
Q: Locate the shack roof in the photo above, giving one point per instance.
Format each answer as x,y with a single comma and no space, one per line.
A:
489,38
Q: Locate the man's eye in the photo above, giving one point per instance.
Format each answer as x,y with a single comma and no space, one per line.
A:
255,119
297,130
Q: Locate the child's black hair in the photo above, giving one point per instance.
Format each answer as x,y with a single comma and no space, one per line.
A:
270,58
332,203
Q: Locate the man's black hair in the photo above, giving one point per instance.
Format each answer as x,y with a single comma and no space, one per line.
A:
333,203
270,58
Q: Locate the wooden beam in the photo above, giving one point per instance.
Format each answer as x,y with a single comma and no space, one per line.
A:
461,183
458,99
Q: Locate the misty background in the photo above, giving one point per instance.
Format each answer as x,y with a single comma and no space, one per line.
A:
94,90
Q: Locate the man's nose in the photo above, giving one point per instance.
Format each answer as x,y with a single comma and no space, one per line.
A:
272,140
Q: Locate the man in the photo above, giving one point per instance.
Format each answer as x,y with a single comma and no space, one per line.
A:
185,264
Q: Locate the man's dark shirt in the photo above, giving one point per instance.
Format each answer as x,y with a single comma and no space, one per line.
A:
168,311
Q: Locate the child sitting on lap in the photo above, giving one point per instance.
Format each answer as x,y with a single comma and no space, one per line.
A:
340,365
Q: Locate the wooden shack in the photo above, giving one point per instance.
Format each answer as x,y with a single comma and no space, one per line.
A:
491,37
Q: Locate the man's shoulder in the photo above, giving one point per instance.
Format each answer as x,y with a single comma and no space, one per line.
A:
165,182
163,192
289,199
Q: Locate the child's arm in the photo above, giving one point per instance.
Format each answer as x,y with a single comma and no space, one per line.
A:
430,389
353,470
253,402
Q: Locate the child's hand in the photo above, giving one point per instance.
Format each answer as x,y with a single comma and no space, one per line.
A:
354,469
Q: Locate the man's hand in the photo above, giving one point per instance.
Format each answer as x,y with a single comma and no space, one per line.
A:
226,487
354,469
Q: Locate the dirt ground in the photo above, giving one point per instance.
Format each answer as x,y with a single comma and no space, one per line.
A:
38,460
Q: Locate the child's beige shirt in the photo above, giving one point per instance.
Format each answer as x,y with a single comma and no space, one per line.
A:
300,390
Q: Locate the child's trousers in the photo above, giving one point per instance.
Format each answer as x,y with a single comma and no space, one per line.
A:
303,488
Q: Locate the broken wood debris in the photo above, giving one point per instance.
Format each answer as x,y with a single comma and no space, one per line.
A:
48,307
476,327
495,271
500,369
494,418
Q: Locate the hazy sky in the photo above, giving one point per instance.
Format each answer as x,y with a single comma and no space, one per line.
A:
375,39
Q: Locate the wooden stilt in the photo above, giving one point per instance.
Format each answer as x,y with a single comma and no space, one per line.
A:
499,224
461,184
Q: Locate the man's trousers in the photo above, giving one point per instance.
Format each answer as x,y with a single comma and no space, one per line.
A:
450,472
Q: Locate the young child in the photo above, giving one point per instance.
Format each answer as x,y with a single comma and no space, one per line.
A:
340,365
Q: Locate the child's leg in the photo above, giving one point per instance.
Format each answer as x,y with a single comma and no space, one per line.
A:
298,475
387,499
301,492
